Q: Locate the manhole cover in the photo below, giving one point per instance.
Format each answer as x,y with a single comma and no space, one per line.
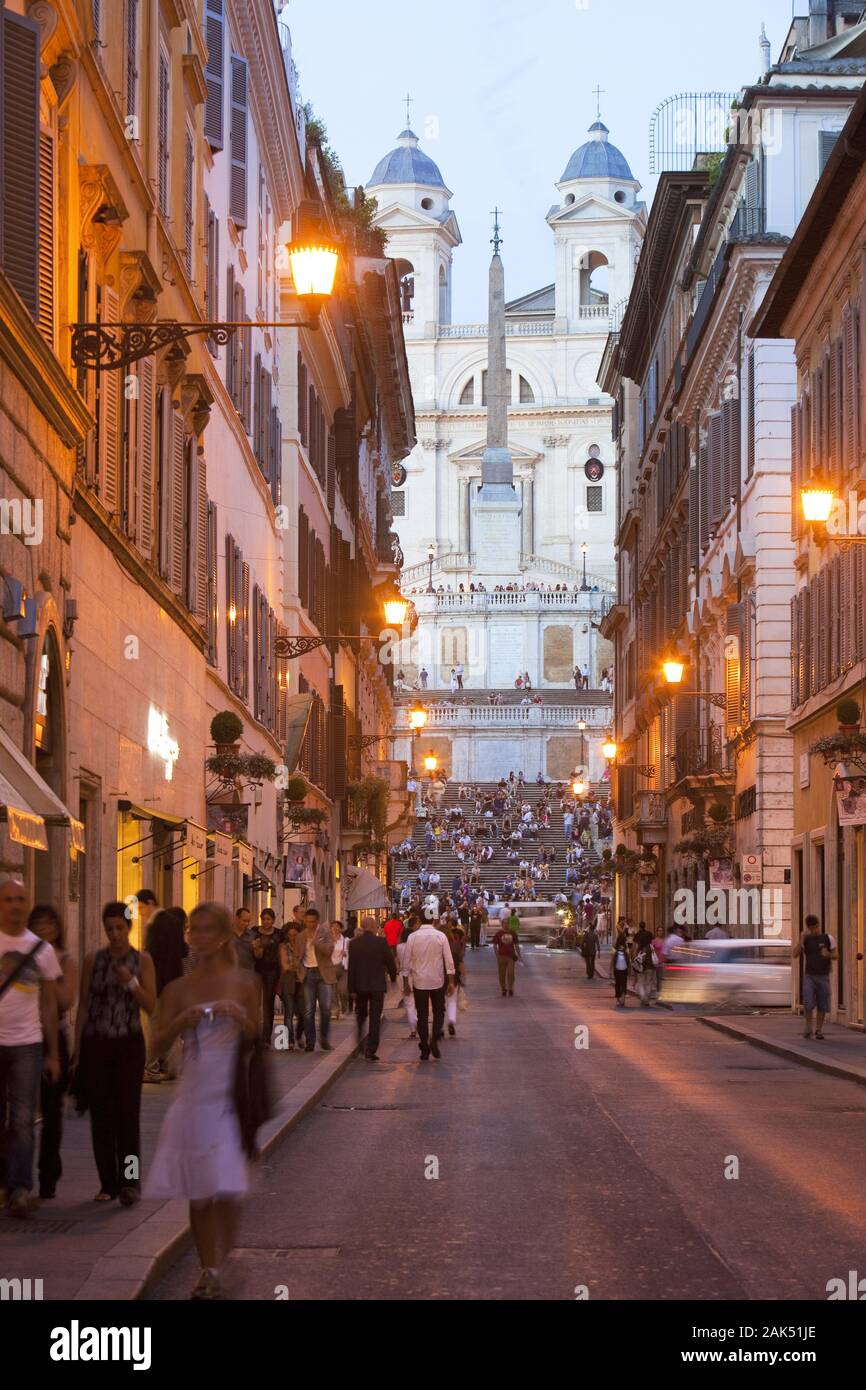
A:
36,1227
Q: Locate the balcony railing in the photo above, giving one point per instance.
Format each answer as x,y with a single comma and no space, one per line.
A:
518,328
701,752
495,716
748,222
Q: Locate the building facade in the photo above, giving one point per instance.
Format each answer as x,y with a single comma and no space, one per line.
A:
817,300
707,566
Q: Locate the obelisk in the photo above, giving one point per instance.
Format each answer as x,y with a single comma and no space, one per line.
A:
497,506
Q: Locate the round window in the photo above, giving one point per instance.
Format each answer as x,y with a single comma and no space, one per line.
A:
427,203
569,200
619,196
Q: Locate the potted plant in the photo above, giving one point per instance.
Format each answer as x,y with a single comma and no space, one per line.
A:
369,799
307,815
848,716
296,789
225,730
232,768
719,814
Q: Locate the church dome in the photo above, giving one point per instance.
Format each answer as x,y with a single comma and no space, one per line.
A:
598,158
407,164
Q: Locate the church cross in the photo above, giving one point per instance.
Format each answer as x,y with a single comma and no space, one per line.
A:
599,93
409,104
497,239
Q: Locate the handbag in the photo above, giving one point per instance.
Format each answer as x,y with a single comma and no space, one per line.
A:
252,1093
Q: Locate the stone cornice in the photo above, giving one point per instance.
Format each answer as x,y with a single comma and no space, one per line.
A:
25,350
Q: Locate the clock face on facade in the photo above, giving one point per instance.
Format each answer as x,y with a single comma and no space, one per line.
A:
594,470
398,475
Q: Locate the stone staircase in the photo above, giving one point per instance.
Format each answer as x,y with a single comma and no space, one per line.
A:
493,875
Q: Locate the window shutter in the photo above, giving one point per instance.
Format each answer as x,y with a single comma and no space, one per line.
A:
745,660
214,73
144,460
303,558
276,459
257,644
823,629
21,159
188,203
231,606
332,472
198,563
858,569
730,451
795,651
238,141
108,414
796,467
851,406
245,635
704,483
212,592
302,400
753,185
833,386
826,139
258,386
246,357
163,134
231,353
45,316
131,56
847,636
718,504
750,414
177,499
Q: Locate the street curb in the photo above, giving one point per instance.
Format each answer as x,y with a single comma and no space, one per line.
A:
136,1263
781,1050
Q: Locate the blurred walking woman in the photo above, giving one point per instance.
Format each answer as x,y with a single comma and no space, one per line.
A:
202,1150
117,984
46,922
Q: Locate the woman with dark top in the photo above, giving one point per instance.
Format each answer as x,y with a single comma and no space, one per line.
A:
117,984
165,943
45,921
267,940
619,965
643,964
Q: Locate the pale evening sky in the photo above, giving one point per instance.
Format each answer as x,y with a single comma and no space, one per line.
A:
503,94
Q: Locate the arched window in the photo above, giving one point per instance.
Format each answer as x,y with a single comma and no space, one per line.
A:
527,395
593,278
467,395
406,273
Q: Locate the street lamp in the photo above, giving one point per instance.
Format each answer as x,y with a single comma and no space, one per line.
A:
431,763
584,550
395,608
417,720
313,258
579,787
673,669
818,502
431,556
608,749
581,725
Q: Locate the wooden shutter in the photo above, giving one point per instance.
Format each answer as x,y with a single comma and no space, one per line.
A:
858,570
805,662
303,559
833,394
730,452
143,463
718,504
795,651
231,607
131,56
750,414
163,134
258,387
238,142
823,634
257,653
215,74
745,659
246,358
108,414
851,407
177,504
45,316
276,456
826,139
188,203
212,592
199,532
21,158
245,631
231,352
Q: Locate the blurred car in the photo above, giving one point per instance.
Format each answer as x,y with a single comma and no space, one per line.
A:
735,973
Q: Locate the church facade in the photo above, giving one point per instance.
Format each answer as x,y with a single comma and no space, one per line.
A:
498,604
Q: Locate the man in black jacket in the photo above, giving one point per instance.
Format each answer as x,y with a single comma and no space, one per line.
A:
371,963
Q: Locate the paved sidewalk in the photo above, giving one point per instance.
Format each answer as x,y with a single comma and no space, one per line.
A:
843,1052
82,1250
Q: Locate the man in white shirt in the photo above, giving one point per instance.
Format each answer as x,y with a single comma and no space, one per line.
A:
28,1040
428,960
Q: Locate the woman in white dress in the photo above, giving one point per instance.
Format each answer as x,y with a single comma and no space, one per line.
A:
200,1153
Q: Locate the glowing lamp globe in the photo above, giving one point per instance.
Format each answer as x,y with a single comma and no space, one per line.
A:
578,787
431,762
673,671
314,269
817,502
608,748
417,718
395,608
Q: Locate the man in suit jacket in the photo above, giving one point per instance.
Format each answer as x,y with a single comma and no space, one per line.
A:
371,962
316,971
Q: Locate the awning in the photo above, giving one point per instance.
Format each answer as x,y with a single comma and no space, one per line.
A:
365,891
298,709
151,813
28,804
